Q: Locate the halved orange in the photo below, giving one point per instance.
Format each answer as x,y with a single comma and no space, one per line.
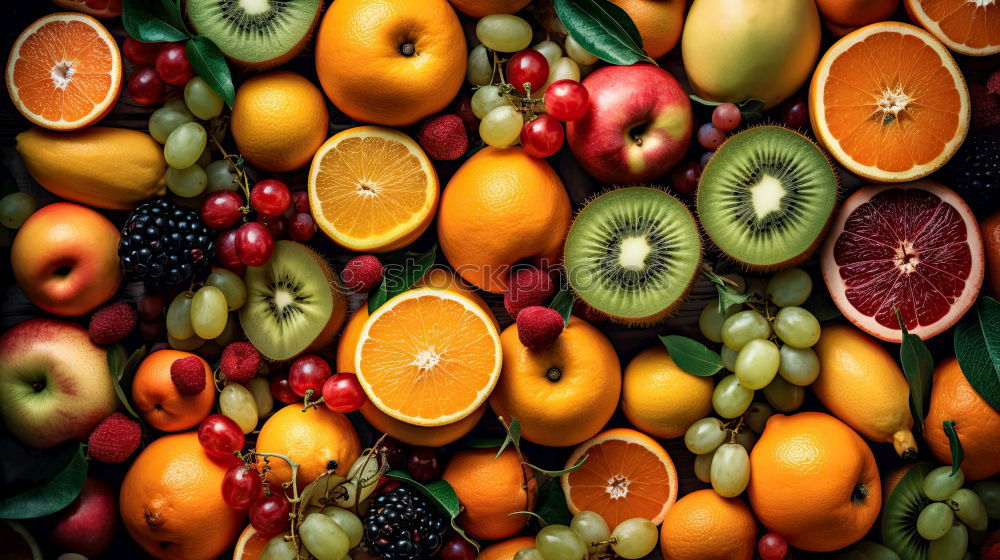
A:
969,27
64,71
889,102
627,474
428,357
372,189
250,544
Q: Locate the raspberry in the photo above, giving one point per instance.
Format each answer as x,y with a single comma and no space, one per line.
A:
443,137
538,326
240,362
112,323
985,107
362,273
528,286
188,375
114,439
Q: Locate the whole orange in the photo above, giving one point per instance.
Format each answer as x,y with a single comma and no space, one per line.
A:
659,22
705,526
856,13
502,207
562,394
171,501
976,423
990,228
480,8
490,488
814,481
505,550
317,439
279,120
390,62
660,398
158,400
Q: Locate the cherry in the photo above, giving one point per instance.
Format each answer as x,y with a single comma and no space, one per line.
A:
710,137
795,113
425,464
145,87
394,453
542,136
463,108
281,391
567,100
343,393
302,227
269,515
308,372
254,244
456,548
685,178
527,67
277,225
225,249
220,436
300,201
221,209
241,486
726,116
172,64
139,53
150,306
270,197
772,547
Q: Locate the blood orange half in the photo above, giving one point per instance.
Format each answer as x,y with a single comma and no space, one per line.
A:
969,27
915,247
96,8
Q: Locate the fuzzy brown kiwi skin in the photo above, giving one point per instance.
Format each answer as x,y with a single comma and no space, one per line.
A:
804,256
274,62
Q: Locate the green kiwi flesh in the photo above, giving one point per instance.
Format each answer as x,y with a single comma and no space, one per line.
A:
766,197
899,517
632,253
256,33
289,301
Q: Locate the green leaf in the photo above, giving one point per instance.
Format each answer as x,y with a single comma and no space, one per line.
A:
563,303
728,294
116,361
974,357
551,504
918,367
955,445
560,472
395,282
144,26
989,322
209,62
604,29
692,356
748,107
170,11
484,443
52,496
378,296
513,436
122,369
441,494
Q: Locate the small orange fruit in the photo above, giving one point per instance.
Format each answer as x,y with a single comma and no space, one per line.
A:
976,422
250,544
64,71
856,13
966,26
505,550
659,22
171,501
705,526
627,474
490,489
660,398
390,62
317,439
158,400
562,394
481,8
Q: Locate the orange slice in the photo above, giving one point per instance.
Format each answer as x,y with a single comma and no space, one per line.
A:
969,27
627,474
372,189
428,357
889,102
64,71
250,544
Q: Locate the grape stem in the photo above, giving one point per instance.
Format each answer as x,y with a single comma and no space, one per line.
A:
241,175
307,404
295,499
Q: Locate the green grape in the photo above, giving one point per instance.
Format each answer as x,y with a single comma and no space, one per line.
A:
205,158
176,103
188,182
16,208
221,176
232,287
634,538
797,327
231,333
347,521
323,538
703,467
935,520
940,483
501,126
970,509
989,492
488,98
563,69
757,363
559,542
730,399
740,328
184,145
746,438
730,470
529,553
592,528
164,120
208,312
799,366
179,317
851,555
278,549
479,70
185,344
579,54
363,477
236,402
704,436
504,33
789,287
757,416
951,546
550,50
261,391
875,551
729,357
710,321
201,99
784,396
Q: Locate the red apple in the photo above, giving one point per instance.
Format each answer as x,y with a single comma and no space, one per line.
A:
638,127
87,525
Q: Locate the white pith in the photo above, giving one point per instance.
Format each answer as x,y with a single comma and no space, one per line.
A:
62,74
634,251
890,102
766,196
254,7
907,258
283,299
617,487
426,360
982,3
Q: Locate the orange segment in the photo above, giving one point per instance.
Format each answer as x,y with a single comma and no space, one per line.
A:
627,474
428,357
889,103
969,27
372,189
64,71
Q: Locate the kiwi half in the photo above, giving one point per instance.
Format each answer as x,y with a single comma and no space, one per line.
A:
258,34
294,303
900,512
632,253
766,197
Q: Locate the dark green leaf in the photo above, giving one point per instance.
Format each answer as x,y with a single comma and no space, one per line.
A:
52,496
538,518
560,472
209,62
989,322
484,443
918,367
170,11
692,356
122,369
378,296
441,494
563,303
975,360
116,361
144,26
955,445
395,282
728,294
821,306
604,29
551,504
513,436
747,107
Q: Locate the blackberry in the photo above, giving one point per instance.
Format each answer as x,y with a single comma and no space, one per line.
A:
402,525
163,243
974,172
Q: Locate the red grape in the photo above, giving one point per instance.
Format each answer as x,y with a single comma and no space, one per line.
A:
254,244
567,100
425,464
463,108
343,393
795,113
269,515
221,209
393,452
139,53
302,227
772,547
308,372
281,391
219,436
225,249
145,87
241,486
300,201
726,116
456,548
150,306
685,178
710,137
277,225
172,65
270,197
542,136
527,67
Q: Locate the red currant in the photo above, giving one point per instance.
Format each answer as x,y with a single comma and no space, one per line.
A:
685,178
308,372
542,136
567,100
425,464
300,201
281,391
254,244
220,436
795,113
241,487
225,249
710,137
456,548
270,197
302,227
145,87
343,393
150,306
277,225
527,69
221,209
139,53
269,515
172,65
726,116
772,547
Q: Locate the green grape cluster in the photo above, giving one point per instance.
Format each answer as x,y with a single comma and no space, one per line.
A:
194,317
588,536
953,511
328,535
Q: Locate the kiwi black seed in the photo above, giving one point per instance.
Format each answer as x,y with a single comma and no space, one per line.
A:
766,197
256,33
899,516
632,253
